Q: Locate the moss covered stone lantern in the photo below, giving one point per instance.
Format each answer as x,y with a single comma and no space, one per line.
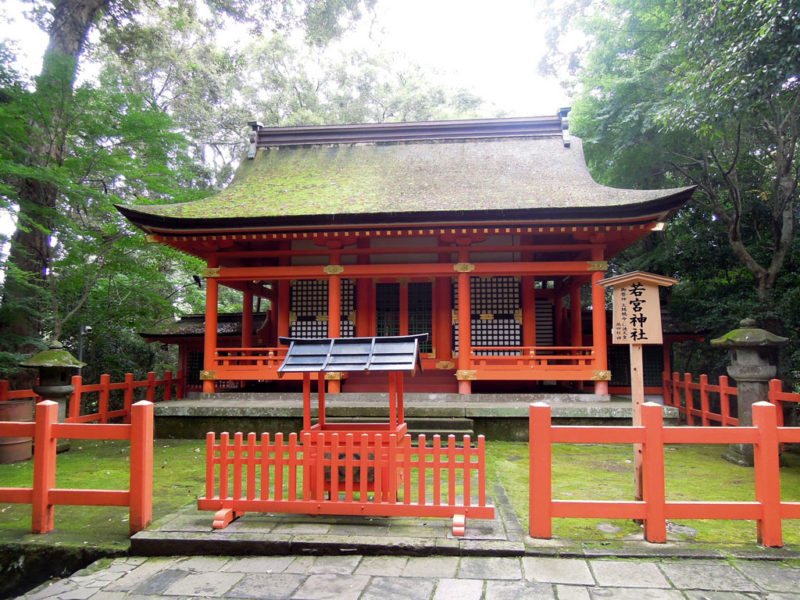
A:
753,364
56,367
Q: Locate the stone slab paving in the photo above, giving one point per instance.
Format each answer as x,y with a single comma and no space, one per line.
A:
358,577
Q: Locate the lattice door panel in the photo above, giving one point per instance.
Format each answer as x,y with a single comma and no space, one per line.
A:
309,305
420,312
387,309
494,304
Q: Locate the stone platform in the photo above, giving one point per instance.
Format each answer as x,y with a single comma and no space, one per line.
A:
497,416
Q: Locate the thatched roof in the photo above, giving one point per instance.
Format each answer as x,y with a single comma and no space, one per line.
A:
314,179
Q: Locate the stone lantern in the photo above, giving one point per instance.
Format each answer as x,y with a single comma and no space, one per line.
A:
753,353
56,367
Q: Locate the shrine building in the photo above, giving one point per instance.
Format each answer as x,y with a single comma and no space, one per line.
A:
487,234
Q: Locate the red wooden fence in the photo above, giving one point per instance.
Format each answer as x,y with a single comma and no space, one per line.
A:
104,389
693,399
767,509
371,477
43,496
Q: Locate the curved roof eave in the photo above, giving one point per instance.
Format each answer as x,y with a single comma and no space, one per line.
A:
658,209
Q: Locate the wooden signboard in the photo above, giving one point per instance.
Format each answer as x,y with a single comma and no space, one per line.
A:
636,321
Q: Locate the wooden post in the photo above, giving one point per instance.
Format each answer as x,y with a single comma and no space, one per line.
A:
767,474
167,386
128,397
599,341
247,319
576,333
443,302
637,321
150,395
105,392
637,393
44,466
306,401
75,398
540,471
464,333
210,345
528,311
655,523
141,476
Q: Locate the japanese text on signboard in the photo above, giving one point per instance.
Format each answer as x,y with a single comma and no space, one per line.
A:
637,318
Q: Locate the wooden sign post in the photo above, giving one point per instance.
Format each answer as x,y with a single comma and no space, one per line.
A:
636,321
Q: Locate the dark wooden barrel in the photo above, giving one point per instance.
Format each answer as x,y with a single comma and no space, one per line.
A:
15,449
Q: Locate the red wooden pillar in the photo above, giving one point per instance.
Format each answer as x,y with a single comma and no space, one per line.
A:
464,334
247,319
576,334
210,347
284,294
403,325
599,342
334,315
559,314
363,296
442,328
44,466
528,311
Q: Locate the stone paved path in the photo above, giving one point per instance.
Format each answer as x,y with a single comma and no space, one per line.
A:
357,577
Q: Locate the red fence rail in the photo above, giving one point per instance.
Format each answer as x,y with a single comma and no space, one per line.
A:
43,496
168,385
372,475
767,509
694,400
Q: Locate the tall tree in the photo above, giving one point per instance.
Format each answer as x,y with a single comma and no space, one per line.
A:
701,92
36,193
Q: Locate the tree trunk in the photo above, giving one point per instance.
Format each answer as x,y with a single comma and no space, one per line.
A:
29,256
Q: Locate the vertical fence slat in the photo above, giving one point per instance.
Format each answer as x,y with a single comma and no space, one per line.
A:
237,465
105,392
540,473
437,470
767,474
406,445
334,468
349,467
292,462
704,407
278,475
467,460
211,483
451,469
422,469
481,471
251,465
265,465
224,461
364,467
724,401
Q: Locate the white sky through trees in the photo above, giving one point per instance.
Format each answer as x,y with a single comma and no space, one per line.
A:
490,49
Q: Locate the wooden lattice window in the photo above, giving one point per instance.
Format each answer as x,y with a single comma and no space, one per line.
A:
494,304
309,305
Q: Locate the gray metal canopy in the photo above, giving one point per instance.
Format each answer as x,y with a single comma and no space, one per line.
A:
386,353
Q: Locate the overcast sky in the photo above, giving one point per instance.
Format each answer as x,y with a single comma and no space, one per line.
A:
491,49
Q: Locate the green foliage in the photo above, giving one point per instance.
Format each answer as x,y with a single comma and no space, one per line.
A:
704,93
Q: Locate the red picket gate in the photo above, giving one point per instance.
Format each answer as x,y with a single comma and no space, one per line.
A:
344,474
43,496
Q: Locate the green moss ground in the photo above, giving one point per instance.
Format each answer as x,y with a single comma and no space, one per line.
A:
605,472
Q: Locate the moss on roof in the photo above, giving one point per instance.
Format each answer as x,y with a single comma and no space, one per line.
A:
351,179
